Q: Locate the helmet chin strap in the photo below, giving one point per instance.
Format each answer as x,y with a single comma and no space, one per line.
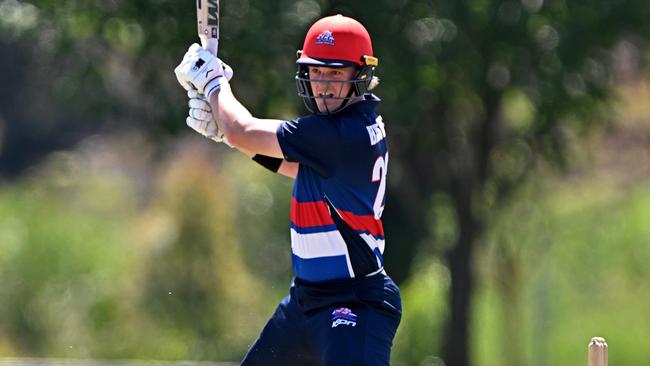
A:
346,100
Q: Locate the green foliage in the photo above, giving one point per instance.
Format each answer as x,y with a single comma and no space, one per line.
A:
92,269
563,268
424,295
560,265
198,265
63,235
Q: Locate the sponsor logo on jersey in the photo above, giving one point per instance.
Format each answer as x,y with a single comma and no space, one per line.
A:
376,131
325,38
343,316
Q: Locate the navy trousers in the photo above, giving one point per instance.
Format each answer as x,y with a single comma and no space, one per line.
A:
337,323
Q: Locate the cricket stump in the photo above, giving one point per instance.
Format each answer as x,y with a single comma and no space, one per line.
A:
597,352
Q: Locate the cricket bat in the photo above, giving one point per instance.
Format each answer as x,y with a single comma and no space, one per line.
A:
207,20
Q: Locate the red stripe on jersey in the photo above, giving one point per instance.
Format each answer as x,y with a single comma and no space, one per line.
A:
363,223
310,214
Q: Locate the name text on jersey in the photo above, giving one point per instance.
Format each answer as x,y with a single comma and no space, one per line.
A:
376,131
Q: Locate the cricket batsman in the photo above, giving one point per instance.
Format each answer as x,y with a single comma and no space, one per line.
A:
342,308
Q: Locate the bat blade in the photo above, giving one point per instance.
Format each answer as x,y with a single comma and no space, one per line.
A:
207,20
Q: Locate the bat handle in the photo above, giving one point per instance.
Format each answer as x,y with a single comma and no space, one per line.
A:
210,44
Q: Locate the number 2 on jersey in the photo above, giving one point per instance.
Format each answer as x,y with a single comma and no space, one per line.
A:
379,174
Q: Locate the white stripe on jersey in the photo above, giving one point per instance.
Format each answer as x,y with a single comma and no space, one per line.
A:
316,245
347,259
327,244
373,242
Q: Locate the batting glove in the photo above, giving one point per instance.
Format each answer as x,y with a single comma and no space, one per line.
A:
200,118
202,71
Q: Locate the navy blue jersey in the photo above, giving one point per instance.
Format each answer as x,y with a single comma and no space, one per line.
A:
338,195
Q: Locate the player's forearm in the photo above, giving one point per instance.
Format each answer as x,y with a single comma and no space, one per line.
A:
231,116
242,129
236,122
289,169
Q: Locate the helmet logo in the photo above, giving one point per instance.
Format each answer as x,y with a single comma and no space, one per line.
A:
325,38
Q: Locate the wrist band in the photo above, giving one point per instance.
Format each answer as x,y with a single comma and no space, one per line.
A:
213,86
272,164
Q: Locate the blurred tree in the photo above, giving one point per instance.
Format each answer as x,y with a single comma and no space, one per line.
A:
196,282
85,67
62,235
82,67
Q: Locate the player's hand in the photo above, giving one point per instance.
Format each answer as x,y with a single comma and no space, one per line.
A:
202,71
200,118
227,70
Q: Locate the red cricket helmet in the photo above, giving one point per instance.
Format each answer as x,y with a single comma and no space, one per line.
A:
336,41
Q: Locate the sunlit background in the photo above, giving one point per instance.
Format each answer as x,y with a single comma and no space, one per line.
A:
518,207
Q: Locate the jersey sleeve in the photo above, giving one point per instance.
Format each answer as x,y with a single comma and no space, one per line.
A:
312,141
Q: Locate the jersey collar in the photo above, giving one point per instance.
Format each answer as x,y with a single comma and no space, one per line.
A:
367,105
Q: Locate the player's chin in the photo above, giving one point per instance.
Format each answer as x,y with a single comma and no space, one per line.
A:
328,105
322,105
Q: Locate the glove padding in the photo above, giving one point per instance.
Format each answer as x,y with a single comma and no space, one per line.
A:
200,118
202,71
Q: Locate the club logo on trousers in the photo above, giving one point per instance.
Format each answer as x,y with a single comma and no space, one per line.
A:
343,316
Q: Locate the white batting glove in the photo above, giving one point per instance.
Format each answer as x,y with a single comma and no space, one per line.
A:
202,71
200,118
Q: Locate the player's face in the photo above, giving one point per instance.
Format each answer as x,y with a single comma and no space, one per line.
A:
328,84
